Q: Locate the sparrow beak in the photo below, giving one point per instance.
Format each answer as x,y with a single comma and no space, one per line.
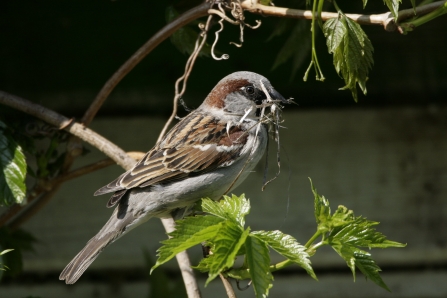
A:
275,95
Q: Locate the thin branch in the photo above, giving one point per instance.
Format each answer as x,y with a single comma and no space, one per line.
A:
228,287
191,15
79,130
384,19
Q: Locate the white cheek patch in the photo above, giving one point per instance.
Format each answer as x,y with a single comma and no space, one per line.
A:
202,147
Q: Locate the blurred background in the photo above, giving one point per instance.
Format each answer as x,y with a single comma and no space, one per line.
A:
385,157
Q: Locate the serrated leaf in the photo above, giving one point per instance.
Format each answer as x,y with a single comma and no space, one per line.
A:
393,6
341,216
322,210
361,232
13,170
369,268
188,232
288,247
356,257
230,208
226,244
352,54
258,260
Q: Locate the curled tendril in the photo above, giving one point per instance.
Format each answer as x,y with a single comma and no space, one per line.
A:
224,56
237,13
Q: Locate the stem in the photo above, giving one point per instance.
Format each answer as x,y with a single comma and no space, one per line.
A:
318,72
410,25
312,239
228,287
385,19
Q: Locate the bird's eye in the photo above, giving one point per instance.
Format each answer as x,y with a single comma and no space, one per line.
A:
250,90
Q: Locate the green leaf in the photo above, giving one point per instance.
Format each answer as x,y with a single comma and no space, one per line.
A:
226,244
288,247
13,169
356,257
258,260
322,210
360,232
352,52
393,6
189,232
369,268
230,208
364,3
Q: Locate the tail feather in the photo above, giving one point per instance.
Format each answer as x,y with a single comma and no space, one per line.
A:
119,223
85,257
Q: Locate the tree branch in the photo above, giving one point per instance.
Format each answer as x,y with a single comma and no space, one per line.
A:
191,15
385,19
79,130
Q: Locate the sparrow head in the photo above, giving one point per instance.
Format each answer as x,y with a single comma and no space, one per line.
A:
240,92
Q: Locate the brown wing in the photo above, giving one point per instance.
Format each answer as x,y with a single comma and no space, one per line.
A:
196,144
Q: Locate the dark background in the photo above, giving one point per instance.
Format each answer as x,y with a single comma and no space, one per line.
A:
60,53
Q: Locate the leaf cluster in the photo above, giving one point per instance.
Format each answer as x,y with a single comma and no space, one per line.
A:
347,234
222,230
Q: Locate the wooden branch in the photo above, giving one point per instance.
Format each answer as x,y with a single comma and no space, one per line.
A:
79,130
228,288
385,19
191,15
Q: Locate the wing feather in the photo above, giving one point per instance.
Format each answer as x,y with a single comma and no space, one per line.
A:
196,144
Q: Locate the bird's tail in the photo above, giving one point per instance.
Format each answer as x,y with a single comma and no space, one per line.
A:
112,230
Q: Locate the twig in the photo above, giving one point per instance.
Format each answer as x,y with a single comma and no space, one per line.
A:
79,130
384,19
192,14
228,287
184,78
192,289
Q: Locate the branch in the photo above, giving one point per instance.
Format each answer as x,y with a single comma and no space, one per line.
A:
191,15
79,130
384,19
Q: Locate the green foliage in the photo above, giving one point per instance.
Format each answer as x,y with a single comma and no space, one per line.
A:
225,234
19,241
393,6
352,52
13,169
346,233
222,229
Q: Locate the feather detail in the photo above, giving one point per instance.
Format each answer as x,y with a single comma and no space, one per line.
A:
196,144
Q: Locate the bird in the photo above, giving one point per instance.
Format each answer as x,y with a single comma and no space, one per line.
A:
206,154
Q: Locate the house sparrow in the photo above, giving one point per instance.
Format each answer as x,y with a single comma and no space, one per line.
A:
207,154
